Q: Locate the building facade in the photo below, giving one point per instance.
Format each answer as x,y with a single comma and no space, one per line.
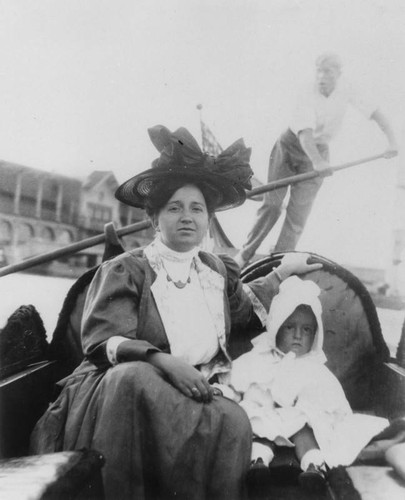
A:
41,211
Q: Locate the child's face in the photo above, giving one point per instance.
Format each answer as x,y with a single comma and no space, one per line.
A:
297,333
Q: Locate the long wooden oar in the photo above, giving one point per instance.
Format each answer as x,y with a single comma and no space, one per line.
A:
139,226
271,186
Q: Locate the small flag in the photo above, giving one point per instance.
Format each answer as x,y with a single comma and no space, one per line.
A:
211,146
209,142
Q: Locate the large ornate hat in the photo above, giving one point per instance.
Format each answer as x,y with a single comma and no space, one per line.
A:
180,155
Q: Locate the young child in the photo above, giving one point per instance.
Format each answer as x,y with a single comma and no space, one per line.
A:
291,397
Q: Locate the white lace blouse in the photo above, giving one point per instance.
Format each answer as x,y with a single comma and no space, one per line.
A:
193,316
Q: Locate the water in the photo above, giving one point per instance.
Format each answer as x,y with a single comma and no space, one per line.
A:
391,325
44,292
48,293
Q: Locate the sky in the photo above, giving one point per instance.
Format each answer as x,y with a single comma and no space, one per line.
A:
82,80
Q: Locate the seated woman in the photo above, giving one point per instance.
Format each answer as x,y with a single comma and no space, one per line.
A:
155,330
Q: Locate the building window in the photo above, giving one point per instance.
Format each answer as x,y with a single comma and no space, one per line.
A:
65,237
99,213
27,206
6,202
25,232
5,231
47,234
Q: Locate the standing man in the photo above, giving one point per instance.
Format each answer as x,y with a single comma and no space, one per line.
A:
304,147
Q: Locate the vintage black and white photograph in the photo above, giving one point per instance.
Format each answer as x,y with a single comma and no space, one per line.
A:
202,250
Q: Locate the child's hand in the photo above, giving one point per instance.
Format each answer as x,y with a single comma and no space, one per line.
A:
295,263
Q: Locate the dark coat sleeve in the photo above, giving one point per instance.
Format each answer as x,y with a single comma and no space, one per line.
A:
263,290
112,308
241,309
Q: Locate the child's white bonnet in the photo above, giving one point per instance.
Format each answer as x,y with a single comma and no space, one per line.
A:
294,292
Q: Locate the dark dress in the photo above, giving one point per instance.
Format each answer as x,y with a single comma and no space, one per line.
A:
158,444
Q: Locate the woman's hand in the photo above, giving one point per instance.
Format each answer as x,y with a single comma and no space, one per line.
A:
295,263
183,376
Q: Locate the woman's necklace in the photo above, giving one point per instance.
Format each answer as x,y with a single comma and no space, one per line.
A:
178,284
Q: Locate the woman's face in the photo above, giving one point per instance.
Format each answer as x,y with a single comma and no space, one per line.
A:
297,333
183,221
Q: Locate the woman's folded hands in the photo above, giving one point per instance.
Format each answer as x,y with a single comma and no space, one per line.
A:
183,376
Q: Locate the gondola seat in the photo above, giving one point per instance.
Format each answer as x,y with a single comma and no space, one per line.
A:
353,341
356,351
354,345
359,357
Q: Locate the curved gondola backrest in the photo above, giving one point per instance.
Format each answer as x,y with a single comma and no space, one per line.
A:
353,341
66,346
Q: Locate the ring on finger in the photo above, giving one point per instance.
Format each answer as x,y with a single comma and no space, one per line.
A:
194,390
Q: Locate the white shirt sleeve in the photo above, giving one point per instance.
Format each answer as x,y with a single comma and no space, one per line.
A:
112,346
303,116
